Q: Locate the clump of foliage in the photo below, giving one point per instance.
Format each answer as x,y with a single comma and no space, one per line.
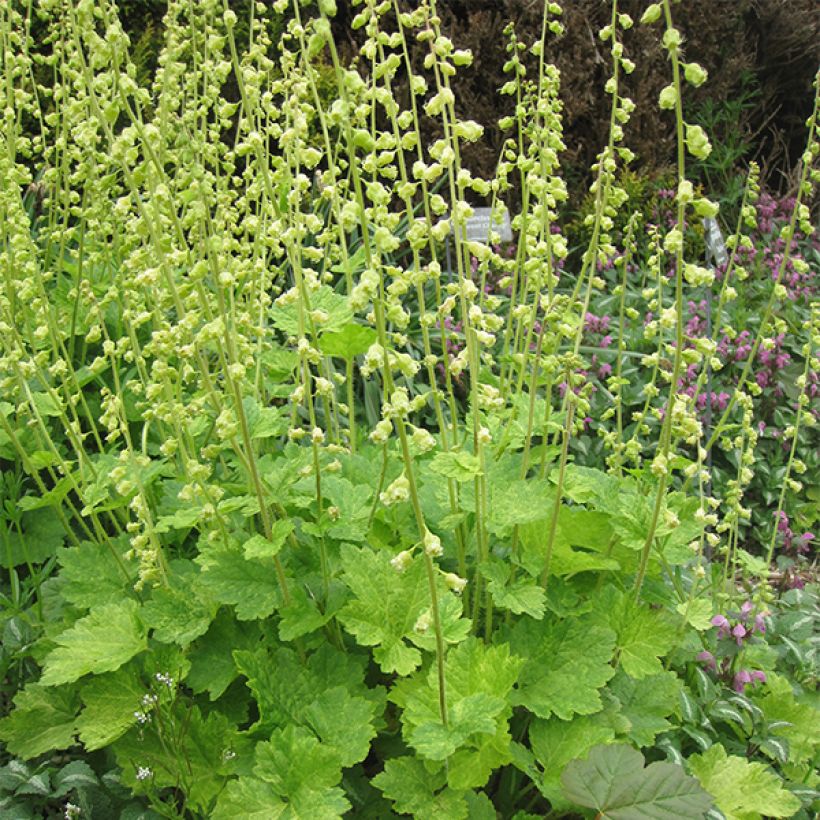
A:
301,521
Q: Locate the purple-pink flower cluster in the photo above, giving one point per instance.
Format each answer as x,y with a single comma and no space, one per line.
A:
768,249
733,633
793,544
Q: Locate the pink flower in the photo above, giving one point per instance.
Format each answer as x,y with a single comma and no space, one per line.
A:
722,624
708,659
739,633
742,678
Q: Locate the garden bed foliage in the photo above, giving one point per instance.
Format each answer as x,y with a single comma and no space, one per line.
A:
318,503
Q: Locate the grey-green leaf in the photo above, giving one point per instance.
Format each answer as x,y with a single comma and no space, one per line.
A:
614,782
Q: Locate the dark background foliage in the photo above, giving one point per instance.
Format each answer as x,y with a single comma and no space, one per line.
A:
762,56
763,51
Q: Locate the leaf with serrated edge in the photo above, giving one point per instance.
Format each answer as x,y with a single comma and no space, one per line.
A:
43,719
416,790
614,782
567,662
101,642
251,586
111,701
385,607
742,790
647,703
643,634
248,798
304,771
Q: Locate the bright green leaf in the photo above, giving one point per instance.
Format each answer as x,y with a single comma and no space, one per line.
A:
111,701
742,790
258,546
385,607
520,596
416,790
350,340
248,798
643,634
286,317
803,729
101,642
231,579
697,613
180,612
43,719
647,703
91,575
567,662
556,742
303,770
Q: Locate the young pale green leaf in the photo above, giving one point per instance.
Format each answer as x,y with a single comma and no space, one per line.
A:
521,596
248,798
101,642
614,782
339,314
519,502
417,791
182,611
92,575
471,766
643,634
647,703
567,662
304,771
742,790
697,613
454,628
474,714
456,464
353,502
566,560
348,341
479,680
43,719
258,546
799,723
111,702
385,607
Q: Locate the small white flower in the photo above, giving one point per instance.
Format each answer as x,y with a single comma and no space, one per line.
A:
402,561
143,773
432,545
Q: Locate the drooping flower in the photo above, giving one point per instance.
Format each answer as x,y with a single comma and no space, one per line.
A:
721,622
